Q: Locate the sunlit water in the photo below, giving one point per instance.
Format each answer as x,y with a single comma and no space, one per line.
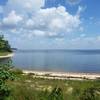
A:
58,60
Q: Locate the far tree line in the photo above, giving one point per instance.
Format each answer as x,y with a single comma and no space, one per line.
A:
4,45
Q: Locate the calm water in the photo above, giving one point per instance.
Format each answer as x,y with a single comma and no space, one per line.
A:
61,60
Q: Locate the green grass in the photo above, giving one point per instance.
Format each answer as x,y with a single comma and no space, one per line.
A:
25,87
4,53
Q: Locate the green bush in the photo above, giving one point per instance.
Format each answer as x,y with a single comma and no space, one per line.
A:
5,75
4,90
89,94
56,94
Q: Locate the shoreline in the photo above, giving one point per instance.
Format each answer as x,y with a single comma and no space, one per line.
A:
63,75
7,56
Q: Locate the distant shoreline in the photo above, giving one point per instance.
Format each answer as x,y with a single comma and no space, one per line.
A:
7,56
63,75
53,50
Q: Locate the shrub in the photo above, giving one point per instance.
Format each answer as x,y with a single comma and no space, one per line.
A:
56,94
5,75
88,94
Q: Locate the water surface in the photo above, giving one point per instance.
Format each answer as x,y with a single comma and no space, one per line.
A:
58,60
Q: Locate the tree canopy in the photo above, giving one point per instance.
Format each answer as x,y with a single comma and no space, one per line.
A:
4,45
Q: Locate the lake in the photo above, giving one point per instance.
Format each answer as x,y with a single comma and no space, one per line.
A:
58,60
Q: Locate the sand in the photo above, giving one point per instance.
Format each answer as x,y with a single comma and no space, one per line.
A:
7,56
63,75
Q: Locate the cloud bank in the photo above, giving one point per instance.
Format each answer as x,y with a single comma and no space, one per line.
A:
12,19
37,21
27,19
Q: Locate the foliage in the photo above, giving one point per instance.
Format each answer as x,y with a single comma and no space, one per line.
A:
5,75
4,45
89,94
56,94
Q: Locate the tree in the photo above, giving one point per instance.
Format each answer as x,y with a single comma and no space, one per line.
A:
4,45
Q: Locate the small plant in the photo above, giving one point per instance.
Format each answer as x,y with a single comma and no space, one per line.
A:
56,94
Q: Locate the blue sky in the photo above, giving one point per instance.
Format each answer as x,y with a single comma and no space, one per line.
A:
51,24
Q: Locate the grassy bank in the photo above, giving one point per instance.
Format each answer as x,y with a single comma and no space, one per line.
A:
27,87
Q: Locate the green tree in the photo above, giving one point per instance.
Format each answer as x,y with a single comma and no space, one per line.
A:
4,45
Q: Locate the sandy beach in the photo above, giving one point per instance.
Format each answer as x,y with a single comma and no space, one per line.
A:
7,56
63,75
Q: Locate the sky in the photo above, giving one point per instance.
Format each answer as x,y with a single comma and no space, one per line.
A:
51,24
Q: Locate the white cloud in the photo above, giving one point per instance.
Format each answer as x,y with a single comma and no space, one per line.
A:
30,23
54,20
56,25
38,33
12,19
